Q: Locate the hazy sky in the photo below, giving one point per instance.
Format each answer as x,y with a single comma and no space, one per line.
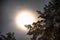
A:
8,8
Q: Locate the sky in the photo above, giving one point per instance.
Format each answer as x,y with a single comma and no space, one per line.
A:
8,9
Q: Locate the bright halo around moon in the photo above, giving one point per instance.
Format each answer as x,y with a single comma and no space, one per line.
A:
24,17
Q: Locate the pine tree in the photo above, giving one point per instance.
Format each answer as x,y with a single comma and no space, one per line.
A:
49,28
9,36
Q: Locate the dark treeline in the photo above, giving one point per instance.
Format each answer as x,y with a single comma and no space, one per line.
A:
49,27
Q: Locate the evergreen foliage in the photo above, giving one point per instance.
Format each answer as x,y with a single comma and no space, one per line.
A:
49,28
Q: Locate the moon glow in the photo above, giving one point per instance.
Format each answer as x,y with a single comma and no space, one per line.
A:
25,17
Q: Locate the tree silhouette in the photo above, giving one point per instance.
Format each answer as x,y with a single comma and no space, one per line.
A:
9,36
49,27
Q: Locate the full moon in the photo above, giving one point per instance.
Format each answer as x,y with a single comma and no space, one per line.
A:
25,17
